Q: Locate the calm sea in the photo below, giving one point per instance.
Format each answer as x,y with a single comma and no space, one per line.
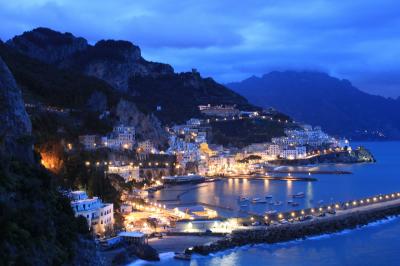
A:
376,244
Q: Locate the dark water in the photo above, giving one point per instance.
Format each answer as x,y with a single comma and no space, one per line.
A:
376,244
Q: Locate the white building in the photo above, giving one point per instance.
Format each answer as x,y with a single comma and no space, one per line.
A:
274,150
294,153
128,172
122,137
99,215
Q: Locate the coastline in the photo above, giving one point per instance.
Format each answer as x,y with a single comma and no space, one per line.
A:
347,219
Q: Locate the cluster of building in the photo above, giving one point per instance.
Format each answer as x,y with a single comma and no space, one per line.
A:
122,137
189,142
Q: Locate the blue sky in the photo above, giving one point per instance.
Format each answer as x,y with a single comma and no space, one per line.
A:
231,40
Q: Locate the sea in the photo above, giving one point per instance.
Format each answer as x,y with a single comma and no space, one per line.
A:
374,244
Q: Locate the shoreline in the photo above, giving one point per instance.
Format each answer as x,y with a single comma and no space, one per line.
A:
347,219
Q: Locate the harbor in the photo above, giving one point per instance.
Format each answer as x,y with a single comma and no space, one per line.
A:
307,223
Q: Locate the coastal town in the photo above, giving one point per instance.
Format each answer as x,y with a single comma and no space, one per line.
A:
148,133
191,158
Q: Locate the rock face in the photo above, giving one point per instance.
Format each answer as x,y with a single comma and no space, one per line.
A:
109,60
15,126
115,62
47,45
147,126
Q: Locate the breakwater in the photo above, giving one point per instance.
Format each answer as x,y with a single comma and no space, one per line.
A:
350,215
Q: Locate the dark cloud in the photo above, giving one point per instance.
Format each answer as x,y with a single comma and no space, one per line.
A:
231,40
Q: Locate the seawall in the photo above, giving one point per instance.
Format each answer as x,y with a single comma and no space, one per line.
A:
343,219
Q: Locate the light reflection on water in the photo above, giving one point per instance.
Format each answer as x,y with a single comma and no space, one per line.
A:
377,244
366,180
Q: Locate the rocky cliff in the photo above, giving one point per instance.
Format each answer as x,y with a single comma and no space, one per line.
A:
15,126
47,45
109,60
121,65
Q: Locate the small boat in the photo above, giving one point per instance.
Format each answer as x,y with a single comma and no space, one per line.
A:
182,256
278,203
294,204
290,202
244,205
268,197
258,200
298,195
320,202
271,202
271,212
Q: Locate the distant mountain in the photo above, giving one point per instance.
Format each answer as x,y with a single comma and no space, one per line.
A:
121,65
320,99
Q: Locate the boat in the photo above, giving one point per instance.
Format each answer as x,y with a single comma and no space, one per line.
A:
294,204
271,212
320,202
244,205
258,200
290,202
278,203
298,195
182,256
181,179
268,197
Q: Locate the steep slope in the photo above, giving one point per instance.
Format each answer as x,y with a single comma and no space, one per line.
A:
320,99
121,65
47,45
37,225
15,126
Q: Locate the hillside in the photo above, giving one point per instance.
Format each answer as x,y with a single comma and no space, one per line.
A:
121,66
37,224
319,99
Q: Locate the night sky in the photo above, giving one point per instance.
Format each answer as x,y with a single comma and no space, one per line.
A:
232,40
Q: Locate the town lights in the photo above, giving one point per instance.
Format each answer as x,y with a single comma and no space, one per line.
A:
337,206
293,214
302,212
312,210
367,200
266,217
354,203
87,163
320,209
375,199
252,218
280,216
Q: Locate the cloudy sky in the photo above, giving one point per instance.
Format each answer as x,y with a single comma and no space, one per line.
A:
231,40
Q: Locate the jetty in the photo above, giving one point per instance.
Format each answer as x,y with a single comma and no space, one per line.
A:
273,178
300,224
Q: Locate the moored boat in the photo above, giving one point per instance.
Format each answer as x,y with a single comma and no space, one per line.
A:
298,195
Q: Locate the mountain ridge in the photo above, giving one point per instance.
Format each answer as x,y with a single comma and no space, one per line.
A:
320,99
